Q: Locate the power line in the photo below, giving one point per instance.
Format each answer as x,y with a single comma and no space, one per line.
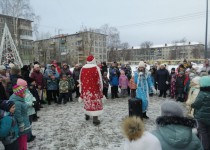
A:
166,20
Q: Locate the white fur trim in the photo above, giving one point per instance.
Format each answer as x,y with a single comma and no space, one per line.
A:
104,99
92,62
93,113
80,100
89,65
100,77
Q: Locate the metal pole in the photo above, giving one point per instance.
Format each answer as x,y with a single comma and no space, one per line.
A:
206,29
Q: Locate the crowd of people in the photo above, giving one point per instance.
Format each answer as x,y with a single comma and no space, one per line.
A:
24,91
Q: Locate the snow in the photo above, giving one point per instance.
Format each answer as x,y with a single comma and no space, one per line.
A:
63,127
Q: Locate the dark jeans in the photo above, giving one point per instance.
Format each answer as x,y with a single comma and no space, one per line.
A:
30,132
63,96
114,91
133,93
12,146
70,95
128,91
51,95
163,92
105,92
204,135
77,91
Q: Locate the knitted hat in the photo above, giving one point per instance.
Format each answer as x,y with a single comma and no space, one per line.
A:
6,105
171,108
205,81
21,82
19,90
2,67
91,60
11,65
142,64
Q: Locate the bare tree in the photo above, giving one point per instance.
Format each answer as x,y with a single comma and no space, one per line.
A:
19,9
113,36
145,46
124,45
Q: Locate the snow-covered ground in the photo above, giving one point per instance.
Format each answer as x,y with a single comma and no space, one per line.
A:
63,127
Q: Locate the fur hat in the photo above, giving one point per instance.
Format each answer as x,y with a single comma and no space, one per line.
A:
133,128
6,105
171,108
21,82
205,81
142,64
91,60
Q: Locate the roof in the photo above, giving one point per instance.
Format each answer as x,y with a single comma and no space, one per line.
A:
13,17
170,45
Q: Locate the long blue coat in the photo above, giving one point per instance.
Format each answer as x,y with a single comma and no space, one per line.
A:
144,85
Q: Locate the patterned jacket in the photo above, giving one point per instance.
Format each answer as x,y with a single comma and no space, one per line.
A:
64,86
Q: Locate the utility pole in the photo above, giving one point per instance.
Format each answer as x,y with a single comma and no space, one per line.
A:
206,47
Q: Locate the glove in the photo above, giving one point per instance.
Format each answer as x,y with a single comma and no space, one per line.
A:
154,90
167,82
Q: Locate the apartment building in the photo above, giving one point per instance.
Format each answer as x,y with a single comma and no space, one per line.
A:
72,48
21,32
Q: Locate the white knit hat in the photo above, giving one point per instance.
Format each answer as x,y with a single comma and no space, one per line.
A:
142,64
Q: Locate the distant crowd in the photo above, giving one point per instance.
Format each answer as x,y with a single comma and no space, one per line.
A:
23,92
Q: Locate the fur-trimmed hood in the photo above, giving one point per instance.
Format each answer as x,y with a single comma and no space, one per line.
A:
132,128
169,120
175,132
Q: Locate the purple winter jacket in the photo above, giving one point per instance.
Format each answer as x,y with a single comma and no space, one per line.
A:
123,82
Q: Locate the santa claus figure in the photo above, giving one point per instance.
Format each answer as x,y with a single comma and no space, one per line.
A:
91,89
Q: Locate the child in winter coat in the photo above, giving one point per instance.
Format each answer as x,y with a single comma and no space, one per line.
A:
30,100
63,89
132,86
173,83
137,138
193,93
8,126
123,83
180,87
105,84
114,82
202,113
21,115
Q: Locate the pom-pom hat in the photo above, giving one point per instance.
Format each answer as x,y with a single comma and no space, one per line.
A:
142,64
21,82
91,60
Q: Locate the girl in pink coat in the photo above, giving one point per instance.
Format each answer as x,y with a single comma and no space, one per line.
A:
123,83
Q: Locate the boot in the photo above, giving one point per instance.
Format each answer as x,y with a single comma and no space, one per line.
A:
96,121
145,116
87,117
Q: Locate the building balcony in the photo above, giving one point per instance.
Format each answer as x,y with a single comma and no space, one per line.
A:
22,27
26,46
26,37
62,41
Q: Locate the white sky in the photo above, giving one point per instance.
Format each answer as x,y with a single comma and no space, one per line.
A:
71,15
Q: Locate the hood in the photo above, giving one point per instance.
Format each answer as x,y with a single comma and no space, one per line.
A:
133,128
176,131
48,66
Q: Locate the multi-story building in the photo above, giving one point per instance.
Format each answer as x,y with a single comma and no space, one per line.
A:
167,52
73,48
21,32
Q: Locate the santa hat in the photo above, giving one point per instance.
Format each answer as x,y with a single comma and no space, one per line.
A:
21,82
142,64
19,90
91,60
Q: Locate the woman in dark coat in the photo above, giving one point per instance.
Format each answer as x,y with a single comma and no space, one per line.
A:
162,77
103,68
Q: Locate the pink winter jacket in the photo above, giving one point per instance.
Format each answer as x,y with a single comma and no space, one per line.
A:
132,84
123,82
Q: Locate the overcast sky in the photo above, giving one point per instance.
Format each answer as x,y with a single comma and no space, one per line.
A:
159,21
